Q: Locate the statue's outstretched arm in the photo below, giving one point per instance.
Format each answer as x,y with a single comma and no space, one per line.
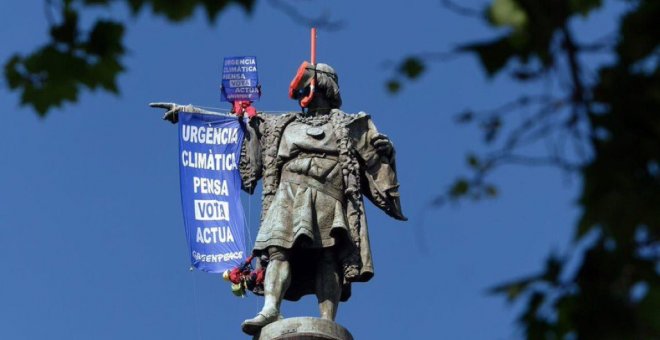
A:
173,109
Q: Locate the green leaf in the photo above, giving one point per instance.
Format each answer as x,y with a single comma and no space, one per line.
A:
640,32
105,74
181,10
12,74
393,86
507,13
553,268
411,67
465,117
494,54
459,188
96,2
514,289
67,31
213,7
135,5
105,39
649,308
473,161
583,7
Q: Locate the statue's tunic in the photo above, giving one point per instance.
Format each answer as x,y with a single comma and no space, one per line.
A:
308,207
314,177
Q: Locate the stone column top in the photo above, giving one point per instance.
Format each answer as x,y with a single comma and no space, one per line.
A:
303,328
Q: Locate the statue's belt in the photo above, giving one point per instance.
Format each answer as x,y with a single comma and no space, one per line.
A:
325,155
308,181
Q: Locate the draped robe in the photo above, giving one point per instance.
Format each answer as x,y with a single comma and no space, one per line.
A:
313,189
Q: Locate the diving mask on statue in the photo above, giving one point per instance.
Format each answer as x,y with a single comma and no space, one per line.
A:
302,85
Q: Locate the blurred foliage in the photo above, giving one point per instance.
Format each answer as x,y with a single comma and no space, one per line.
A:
77,58
603,125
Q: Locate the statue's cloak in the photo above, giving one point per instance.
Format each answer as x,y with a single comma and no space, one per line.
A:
366,173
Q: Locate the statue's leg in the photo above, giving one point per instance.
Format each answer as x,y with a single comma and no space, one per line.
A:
328,285
276,282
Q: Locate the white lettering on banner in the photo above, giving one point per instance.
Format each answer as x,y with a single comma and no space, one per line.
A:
244,61
210,161
237,96
239,69
209,135
210,186
211,210
237,255
214,235
233,76
239,83
246,90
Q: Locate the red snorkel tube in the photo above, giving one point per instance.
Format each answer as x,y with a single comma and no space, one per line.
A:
305,101
305,77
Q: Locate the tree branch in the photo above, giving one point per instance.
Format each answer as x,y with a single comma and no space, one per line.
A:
579,93
48,11
462,10
539,161
321,22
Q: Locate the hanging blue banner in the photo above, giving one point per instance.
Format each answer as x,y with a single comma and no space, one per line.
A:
209,151
240,79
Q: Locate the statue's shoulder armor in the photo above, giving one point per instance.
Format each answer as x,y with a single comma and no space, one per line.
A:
359,121
350,118
273,125
284,119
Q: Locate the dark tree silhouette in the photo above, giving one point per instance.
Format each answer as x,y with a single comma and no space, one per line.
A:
603,128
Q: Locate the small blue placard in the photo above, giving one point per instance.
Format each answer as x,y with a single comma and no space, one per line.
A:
240,79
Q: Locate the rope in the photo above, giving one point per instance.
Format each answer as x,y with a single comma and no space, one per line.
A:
228,111
196,307
249,222
222,111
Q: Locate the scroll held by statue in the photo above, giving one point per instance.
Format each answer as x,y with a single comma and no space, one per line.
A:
209,151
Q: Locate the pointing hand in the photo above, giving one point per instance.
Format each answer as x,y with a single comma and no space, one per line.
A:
172,114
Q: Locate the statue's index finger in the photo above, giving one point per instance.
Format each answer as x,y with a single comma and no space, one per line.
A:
162,105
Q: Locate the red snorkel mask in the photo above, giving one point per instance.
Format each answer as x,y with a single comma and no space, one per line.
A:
305,79
302,85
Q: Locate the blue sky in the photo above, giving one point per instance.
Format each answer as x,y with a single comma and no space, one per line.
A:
91,233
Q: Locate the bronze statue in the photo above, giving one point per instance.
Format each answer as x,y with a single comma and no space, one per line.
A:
315,168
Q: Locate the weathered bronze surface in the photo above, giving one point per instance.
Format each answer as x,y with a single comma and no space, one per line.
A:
316,167
304,328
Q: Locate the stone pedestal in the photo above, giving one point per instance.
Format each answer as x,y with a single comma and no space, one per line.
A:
304,328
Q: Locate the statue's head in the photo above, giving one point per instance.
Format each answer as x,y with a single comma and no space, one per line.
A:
315,80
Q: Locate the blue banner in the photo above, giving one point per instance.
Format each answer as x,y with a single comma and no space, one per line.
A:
240,79
209,151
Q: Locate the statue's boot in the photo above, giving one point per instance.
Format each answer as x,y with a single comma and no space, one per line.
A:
263,318
276,283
